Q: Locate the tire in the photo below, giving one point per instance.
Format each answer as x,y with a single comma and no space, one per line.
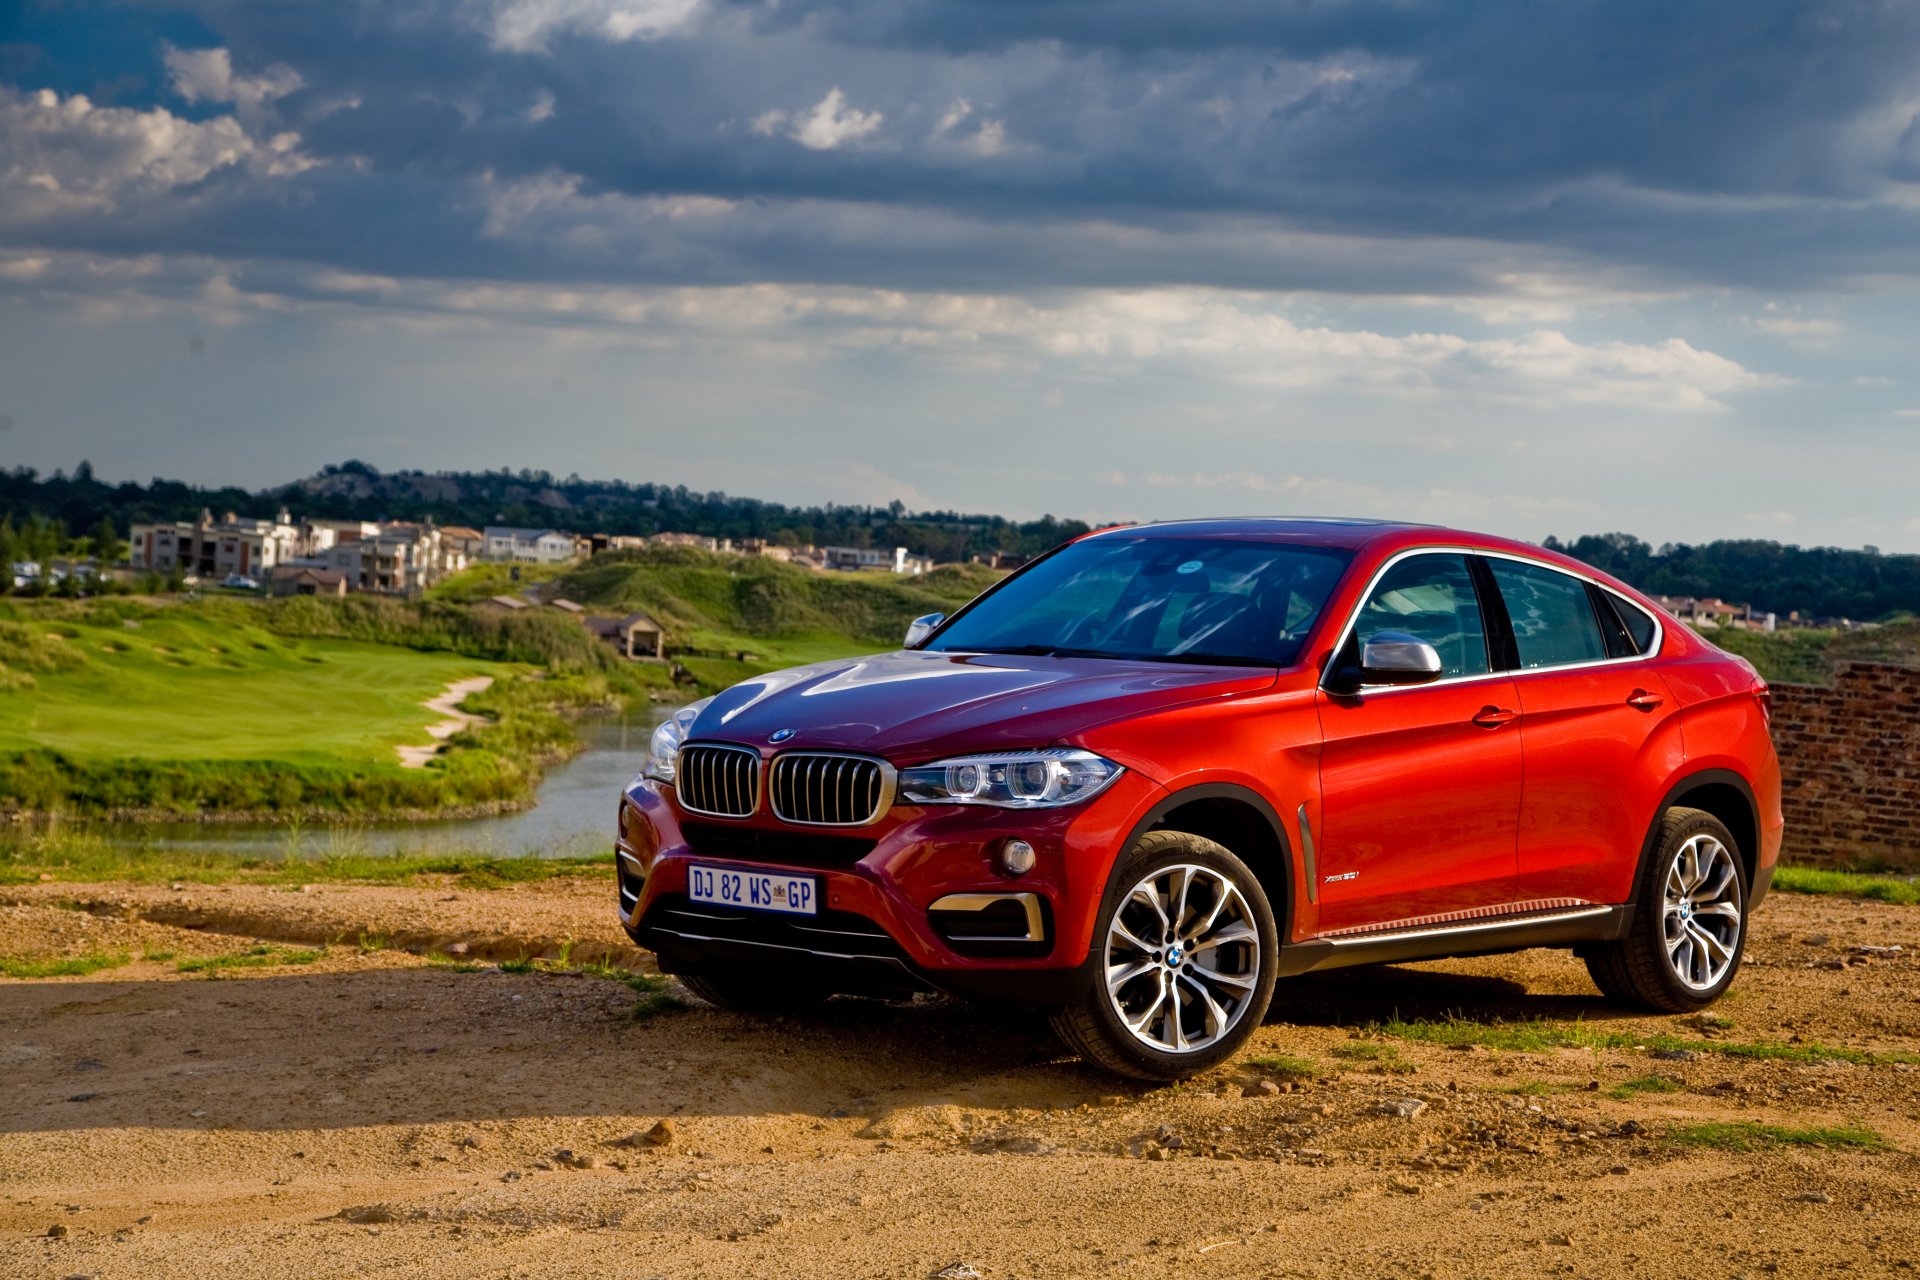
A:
1665,963
1125,1026
751,989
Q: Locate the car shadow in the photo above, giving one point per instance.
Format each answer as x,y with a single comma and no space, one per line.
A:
425,1046
1366,996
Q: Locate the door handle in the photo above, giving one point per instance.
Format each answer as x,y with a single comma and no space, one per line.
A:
1494,717
1641,700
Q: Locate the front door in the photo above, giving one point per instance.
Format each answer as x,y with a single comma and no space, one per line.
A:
1420,785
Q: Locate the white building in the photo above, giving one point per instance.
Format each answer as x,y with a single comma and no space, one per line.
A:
397,559
536,546
206,548
892,559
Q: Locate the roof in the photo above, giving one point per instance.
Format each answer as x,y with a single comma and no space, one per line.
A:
1325,531
568,605
325,577
508,602
637,619
459,531
525,535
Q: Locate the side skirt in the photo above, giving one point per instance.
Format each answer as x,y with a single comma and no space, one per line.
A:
1564,928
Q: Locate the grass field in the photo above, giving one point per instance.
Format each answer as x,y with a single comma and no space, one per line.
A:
291,707
184,687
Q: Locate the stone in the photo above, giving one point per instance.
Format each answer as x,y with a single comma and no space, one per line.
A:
1405,1108
1560,1238
1812,1197
1675,1055
958,1271
1267,1088
365,1214
458,949
575,1160
661,1135
56,1232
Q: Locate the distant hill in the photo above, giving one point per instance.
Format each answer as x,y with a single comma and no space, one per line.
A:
1820,582
358,491
1775,577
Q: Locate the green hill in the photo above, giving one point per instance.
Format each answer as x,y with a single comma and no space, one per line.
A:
743,615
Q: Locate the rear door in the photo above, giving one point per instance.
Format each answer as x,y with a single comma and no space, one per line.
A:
1597,730
1420,785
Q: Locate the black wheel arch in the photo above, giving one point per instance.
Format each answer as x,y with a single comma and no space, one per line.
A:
1237,818
1727,796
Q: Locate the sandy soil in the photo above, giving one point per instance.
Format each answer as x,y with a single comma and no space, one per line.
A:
371,1113
447,705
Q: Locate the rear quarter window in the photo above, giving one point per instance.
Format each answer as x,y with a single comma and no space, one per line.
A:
1554,624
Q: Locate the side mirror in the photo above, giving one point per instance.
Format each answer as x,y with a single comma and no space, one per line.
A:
922,627
1394,657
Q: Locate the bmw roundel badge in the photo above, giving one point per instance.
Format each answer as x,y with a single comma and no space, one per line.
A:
780,735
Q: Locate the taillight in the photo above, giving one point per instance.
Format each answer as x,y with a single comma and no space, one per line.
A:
1764,696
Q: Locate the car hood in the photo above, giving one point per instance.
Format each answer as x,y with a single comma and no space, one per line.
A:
911,706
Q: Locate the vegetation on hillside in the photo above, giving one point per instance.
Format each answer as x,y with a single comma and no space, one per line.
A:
746,614
1811,655
1819,582
357,491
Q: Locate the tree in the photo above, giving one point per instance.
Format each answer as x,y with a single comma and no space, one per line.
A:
106,543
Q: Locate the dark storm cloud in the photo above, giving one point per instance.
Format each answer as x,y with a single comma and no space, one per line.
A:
975,141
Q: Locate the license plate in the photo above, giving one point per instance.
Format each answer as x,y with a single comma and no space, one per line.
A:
753,890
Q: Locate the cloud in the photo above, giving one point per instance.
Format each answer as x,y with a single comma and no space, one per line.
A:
1223,339
61,157
1790,324
526,26
826,125
206,75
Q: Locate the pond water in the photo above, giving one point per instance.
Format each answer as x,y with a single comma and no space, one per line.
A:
574,815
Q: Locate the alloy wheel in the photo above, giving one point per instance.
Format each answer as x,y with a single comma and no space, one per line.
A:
1701,912
1182,958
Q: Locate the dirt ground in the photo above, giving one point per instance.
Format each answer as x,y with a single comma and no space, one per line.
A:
368,1113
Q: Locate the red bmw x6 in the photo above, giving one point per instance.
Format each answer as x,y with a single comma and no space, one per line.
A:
1164,766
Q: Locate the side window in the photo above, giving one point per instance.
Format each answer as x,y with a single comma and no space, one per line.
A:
1552,615
1637,621
1432,598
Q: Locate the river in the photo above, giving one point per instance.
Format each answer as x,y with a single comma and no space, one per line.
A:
573,816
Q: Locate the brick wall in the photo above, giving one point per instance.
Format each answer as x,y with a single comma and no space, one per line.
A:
1850,767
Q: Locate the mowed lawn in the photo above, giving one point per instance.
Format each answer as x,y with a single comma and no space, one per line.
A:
194,689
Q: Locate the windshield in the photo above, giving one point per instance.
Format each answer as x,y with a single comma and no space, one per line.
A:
1201,600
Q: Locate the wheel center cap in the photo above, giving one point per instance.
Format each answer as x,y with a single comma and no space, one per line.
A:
1175,954
1686,909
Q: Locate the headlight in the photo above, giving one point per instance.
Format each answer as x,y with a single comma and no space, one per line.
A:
664,750
1045,779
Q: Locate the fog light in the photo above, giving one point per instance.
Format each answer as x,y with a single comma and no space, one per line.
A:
1016,857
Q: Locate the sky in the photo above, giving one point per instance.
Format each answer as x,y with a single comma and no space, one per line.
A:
1529,267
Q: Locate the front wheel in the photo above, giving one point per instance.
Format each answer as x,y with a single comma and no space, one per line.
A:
1689,920
1184,951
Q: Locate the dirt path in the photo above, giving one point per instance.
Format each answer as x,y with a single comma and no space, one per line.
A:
369,1112
448,705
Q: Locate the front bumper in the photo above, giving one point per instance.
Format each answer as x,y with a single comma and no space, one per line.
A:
877,887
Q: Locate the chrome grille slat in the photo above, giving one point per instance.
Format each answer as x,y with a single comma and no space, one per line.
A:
718,780
829,788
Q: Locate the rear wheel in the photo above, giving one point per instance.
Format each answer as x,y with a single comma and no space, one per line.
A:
751,989
1689,920
1184,953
